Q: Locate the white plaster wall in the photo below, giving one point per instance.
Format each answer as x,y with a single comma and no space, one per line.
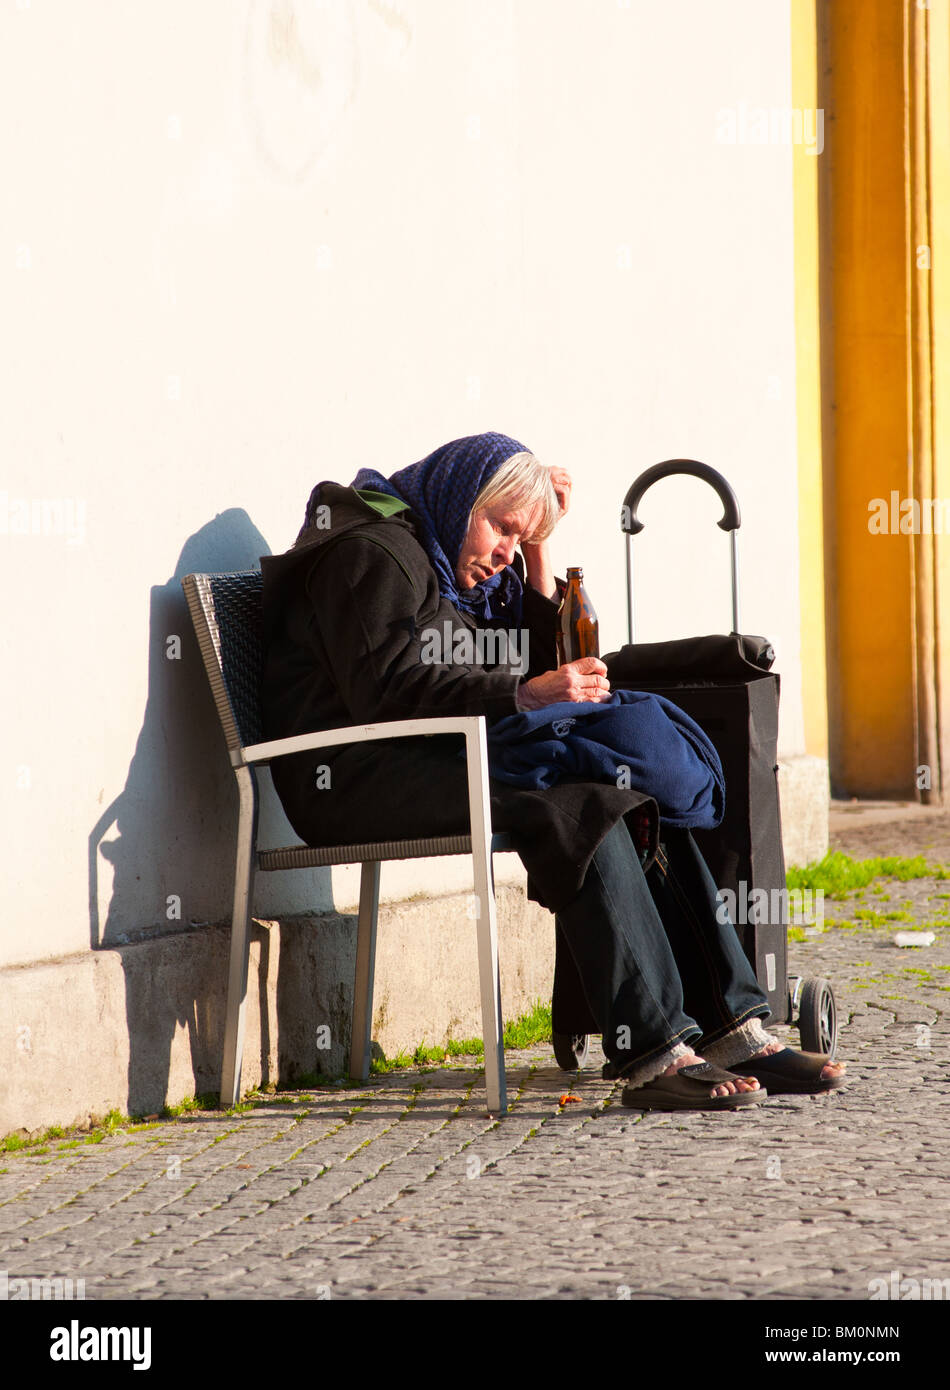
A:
250,244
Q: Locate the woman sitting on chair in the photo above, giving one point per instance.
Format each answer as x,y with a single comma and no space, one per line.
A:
381,611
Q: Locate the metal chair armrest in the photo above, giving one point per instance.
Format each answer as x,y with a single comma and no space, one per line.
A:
474,730
359,733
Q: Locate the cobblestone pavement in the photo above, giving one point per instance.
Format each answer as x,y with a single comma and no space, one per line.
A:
406,1188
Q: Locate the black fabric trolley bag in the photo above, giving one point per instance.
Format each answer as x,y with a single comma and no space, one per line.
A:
724,683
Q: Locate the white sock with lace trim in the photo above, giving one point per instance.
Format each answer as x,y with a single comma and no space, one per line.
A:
738,1046
649,1071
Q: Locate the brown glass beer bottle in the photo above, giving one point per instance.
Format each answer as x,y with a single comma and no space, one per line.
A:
578,631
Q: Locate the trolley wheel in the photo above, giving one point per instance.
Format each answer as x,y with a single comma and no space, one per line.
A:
817,1017
570,1050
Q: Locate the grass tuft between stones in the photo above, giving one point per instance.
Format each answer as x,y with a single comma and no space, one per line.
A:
531,1028
840,876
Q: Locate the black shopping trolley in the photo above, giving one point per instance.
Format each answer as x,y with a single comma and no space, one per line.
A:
724,682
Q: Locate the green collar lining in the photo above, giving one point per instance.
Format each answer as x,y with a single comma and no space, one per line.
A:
381,501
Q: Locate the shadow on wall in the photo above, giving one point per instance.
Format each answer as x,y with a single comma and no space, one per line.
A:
167,842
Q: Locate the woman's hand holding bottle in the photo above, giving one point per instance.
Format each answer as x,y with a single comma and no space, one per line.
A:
576,681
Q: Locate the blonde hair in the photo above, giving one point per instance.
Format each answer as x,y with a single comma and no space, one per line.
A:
522,481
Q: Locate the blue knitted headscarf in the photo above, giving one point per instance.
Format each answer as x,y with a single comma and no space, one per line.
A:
440,490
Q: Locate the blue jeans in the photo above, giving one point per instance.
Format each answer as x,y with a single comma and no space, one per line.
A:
656,965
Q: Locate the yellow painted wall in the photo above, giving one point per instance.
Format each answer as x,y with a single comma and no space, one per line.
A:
939,97
805,169
870,577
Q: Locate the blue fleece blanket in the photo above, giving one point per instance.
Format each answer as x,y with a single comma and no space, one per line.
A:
634,739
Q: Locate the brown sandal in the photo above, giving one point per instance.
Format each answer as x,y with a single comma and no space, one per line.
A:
688,1089
792,1073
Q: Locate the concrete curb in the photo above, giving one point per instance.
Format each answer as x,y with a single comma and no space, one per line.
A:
140,1026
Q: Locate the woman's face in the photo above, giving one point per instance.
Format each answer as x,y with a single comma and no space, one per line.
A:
490,542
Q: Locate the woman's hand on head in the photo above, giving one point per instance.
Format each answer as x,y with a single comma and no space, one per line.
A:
576,681
561,482
537,557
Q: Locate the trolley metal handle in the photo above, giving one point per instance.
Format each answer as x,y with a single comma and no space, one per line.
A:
730,521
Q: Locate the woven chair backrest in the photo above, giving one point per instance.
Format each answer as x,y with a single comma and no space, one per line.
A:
229,627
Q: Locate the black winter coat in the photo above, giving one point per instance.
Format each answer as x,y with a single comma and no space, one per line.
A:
345,611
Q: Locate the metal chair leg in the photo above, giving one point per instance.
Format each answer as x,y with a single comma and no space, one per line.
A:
362,1026
476,748
244,868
